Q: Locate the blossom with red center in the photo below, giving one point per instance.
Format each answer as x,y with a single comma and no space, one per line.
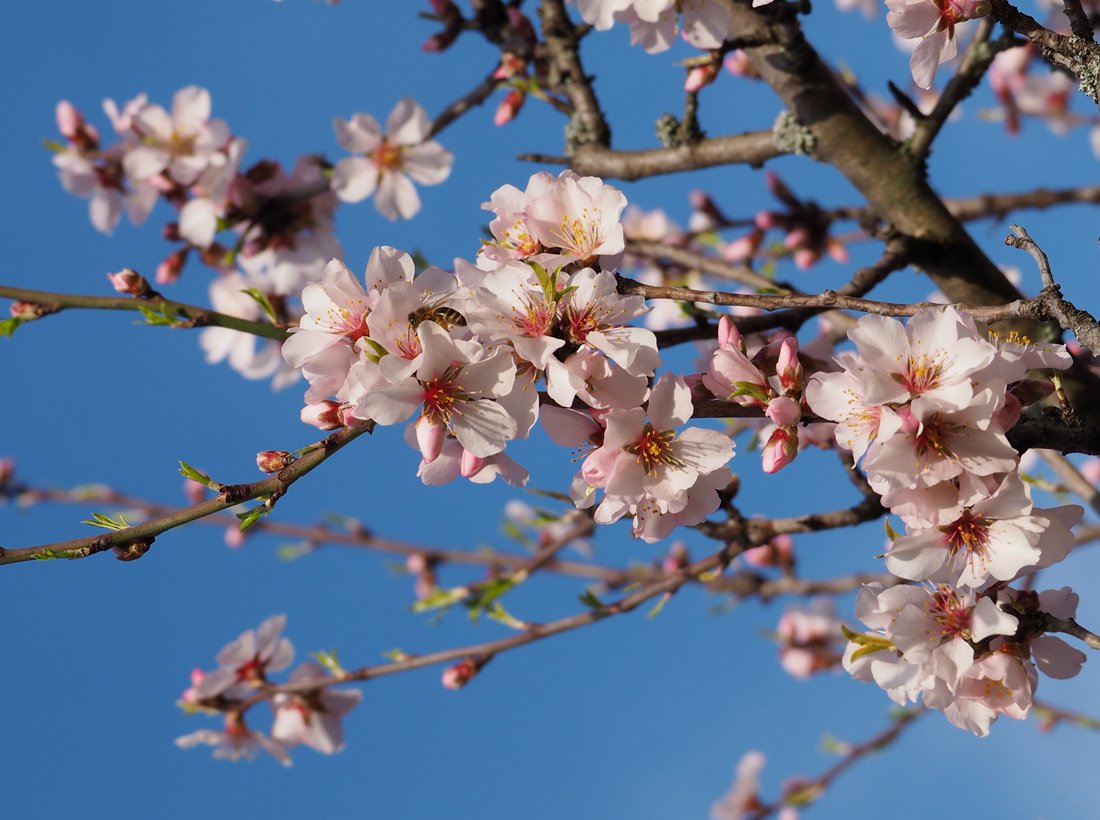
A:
390,161
245,663
933,23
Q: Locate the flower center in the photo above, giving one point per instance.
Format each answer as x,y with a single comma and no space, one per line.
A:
387,156
653,449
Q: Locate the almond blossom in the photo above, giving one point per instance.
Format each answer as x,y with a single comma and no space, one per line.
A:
235,742
392,160
313,720
933,23
178,146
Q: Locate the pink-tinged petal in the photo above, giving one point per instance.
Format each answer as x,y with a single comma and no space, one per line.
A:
428,164
105,210
632,348
702,450
492,377
917,557
1056,658
393,404
359,135
670,403
408,123
988,619
154,121
1061,603
187,168
354,179
912,19
190,109
568,428
386,266
397,197
927,58
483,427
144,161
198,222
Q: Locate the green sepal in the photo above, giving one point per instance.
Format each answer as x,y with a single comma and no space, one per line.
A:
749,389
891,533
260,298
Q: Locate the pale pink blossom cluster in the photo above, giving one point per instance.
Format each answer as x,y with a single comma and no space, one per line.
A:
809,638
461,355
654,24
971,655
313,719
926,406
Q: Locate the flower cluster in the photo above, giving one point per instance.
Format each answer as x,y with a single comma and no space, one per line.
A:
653,25
312,719
926,406
462,355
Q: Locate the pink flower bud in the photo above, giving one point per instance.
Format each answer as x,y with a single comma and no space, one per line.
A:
700,77
416,563
781,449
324,415
677,558
272,461
796,238
779,552
510,65
471,464
737,63
168,271
788,368
805,258
764,220
7,469
743,247
129,281
837,251
784,411
1090,469
26,310
429,438
70,122
728,334
509,107
234,538
193,491
457,676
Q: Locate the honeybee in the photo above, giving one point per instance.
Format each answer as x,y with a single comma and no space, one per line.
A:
445,317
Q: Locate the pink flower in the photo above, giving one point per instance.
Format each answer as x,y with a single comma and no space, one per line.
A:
235,742
312,720
933,22
392,160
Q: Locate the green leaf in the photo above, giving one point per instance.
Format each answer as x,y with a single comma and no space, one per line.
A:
395,655
249,517
487,594
106,522
187,471
329,660
441,599
261,299
497,612
8,326
590,600
664,599
54,146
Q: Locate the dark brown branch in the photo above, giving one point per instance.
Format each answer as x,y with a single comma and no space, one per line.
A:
563,49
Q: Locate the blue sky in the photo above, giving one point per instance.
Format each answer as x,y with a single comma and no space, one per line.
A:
636,717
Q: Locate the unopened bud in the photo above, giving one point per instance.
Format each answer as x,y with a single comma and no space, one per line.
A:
471,465
324,415
788,368
510,65
457,676
194,491
129,281
781,449
69,120
728,334
429,438
27,310
169,270
700,77
132,552
272,461
737,64
509,107
7,469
